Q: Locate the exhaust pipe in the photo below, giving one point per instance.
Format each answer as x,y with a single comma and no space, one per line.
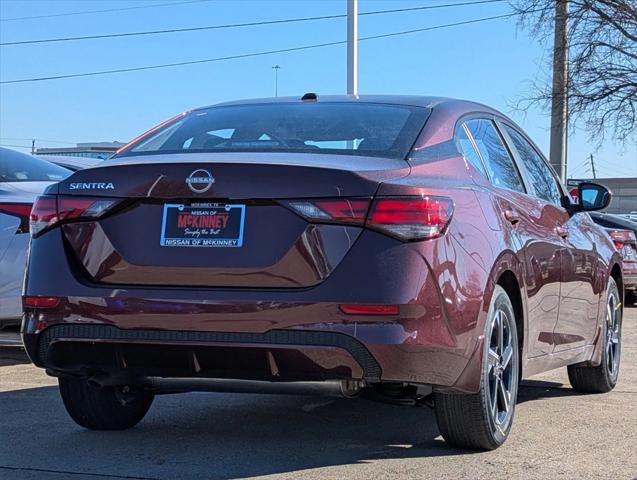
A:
348,389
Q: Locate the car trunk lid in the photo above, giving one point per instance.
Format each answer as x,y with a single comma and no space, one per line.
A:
173,209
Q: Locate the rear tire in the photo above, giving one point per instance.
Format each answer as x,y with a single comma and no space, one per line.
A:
483,420
631,298
107,408
603,378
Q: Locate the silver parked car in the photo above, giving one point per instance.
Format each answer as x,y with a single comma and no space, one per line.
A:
22,178
72,163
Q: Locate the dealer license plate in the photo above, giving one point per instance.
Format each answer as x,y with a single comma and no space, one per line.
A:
202,225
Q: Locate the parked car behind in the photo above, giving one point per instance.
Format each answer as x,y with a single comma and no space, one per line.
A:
632,216
71,162
417,249
22,178
623,232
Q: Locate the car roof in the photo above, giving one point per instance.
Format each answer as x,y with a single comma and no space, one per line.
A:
409,100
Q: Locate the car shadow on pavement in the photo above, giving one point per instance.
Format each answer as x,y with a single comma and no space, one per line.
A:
13,356
540,389
227,436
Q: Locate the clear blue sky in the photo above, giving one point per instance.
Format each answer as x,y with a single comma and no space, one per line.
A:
491,62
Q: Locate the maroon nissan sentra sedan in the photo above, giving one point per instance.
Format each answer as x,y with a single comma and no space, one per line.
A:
413,250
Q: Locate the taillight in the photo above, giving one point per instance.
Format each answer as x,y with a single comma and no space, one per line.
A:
20,210
622,237
43,214
411,218
405,218
49,210
350,211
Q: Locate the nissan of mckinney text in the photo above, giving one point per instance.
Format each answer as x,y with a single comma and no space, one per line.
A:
413,250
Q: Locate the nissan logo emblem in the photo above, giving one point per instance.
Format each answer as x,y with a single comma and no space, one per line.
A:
200,180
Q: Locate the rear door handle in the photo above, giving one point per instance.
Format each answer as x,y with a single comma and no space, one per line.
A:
562,232
512,217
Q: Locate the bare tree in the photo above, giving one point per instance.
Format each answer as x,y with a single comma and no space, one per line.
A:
602,63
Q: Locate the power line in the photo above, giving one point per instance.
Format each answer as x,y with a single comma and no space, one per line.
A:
38,139
15,146
256,54
245,24
85,12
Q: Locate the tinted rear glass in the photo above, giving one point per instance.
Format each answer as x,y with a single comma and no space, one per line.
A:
20,167
344,128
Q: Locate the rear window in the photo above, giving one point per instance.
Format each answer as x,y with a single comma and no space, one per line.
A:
20,167
344,128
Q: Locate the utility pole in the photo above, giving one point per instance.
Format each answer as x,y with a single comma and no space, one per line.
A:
593,166
559,94
276,79
352,47
33,147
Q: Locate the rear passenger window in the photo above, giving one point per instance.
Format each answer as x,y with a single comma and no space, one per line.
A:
499,164
469,151
540,174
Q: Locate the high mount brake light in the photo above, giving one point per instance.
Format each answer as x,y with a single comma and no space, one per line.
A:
411,218
405,218
49,210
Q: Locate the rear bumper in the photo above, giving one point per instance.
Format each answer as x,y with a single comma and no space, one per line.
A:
372,352
433,339
275,355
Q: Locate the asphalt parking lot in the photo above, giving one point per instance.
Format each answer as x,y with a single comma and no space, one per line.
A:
557,434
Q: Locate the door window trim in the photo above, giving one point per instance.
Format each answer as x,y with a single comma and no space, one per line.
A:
518,158
462,123
465,128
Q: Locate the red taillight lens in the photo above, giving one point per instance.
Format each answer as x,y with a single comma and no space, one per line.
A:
410,218
623,238
40,302
351,211
49,210
43,214
405,218
365,309
20,210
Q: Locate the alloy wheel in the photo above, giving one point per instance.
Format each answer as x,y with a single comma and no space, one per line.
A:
502,365
613,344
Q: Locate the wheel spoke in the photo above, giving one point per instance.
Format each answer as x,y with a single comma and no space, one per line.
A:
506,357
500,333
494,399
494,358
504,396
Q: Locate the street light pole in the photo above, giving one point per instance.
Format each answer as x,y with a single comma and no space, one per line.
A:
276,79
559,93
352,47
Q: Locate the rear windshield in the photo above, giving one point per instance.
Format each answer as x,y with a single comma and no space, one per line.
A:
20,167
378,130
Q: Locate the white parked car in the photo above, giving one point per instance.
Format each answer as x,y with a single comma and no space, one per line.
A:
22,178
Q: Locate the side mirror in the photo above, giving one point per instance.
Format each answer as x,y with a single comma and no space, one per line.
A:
593,196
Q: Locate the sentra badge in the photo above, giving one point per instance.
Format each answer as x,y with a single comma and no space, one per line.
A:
92,186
